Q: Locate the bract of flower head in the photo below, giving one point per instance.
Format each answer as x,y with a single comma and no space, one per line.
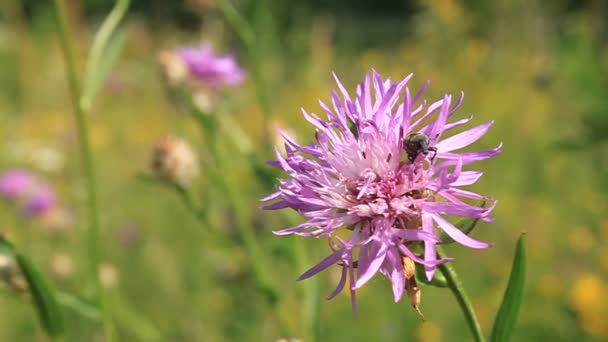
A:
15,184
357,177
175,161
210,69
174,70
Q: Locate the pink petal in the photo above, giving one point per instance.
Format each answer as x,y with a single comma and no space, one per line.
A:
458,235
465,138
325,263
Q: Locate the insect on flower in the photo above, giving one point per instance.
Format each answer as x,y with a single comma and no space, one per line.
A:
416,143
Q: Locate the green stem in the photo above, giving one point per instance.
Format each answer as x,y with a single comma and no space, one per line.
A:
311,308
244,226
188,199
463,300
247,36
86,159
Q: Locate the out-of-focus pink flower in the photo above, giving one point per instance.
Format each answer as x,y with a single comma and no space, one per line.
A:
210,69
15,184
40,202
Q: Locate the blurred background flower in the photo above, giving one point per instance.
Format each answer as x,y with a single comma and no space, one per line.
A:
175,161
15,184
210,69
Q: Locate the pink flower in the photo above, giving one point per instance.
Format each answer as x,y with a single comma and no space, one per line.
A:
211,69
381,168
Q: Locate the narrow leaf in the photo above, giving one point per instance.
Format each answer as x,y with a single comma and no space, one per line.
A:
509,309
79,305
105,50
44,298
97,75
466,225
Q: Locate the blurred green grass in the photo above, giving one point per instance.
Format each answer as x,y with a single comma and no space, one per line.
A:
534,68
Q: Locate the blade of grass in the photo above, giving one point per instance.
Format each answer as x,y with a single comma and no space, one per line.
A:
43,295
103,54
509,309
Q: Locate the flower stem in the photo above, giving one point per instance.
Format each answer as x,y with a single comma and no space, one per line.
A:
463,300
258,262
247,35
86,159
311,308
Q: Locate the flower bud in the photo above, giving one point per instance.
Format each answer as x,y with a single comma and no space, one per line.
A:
7,268
10,274
108,275
173,69
412,289
175,161
62,265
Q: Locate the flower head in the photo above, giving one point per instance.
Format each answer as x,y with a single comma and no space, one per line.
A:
210,69
381,168
175,161
41,201
15,184
35,198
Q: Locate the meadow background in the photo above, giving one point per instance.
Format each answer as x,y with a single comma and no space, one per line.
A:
538,68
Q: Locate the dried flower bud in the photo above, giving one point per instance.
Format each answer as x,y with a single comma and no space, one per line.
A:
62,265
57,220
7,268
414,294
411,287
173,69
10,274
409,267
108,276
204,100
175,161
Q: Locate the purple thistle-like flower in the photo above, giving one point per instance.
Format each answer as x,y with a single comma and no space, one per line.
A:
40,202
211,69
381,168
15,184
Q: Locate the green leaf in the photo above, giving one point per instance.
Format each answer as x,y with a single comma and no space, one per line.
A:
466,225
105,50
44,298
79,305
438,279
509,309
96,76
6,245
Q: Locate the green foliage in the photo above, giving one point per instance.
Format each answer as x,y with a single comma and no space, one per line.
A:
504,325
438,279
42,293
